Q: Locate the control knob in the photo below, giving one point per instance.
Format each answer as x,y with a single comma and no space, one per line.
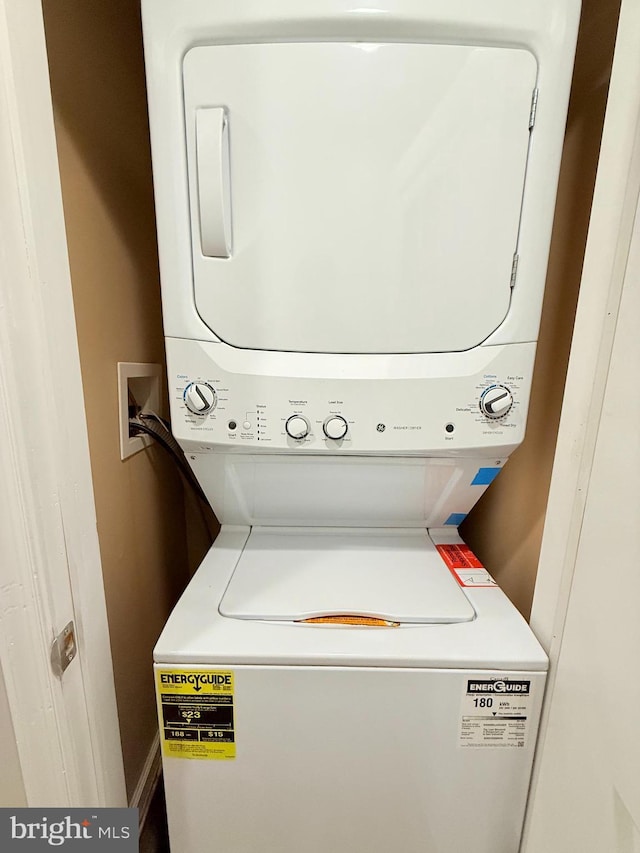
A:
335,427
200,398
496,401
297,427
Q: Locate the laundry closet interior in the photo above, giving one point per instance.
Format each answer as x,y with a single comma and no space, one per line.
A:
152,533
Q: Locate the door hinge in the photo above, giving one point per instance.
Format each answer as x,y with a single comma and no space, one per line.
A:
63,649
514,270
534,109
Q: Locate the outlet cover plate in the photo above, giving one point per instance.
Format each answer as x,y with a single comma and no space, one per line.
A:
143,381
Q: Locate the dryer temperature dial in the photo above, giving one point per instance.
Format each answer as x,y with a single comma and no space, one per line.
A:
297,427
496,401
200,398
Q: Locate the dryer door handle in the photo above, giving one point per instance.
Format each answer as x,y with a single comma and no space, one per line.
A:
213,181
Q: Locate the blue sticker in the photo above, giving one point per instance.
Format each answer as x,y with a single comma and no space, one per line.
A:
456,518
485,476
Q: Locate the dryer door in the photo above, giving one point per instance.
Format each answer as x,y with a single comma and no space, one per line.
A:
355,198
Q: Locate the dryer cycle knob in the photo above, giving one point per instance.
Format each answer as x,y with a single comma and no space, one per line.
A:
200,398
496,401
335,427
297,427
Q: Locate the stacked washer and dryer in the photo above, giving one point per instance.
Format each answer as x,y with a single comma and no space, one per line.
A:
354,209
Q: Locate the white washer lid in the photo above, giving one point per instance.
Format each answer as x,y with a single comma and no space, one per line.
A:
291,574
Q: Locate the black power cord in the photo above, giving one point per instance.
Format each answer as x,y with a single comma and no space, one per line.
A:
148,423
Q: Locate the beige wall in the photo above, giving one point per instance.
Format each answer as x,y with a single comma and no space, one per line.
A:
505,529
12,794
96,64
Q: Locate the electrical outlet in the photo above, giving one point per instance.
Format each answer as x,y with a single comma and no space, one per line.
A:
138,388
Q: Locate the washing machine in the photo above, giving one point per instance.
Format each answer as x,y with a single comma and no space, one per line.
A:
354,207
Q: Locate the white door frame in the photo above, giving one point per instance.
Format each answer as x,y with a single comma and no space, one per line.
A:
66,729
615,210
613,214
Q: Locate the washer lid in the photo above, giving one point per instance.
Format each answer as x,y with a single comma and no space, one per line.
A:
292,574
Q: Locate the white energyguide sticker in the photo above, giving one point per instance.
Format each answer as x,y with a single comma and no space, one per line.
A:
495,712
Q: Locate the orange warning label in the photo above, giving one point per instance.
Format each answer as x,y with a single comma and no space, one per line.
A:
465,566
459,556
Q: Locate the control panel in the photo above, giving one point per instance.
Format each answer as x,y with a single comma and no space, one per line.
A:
214,408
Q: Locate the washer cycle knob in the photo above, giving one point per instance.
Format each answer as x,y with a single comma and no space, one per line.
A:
297,427
496,401
335,427
200,398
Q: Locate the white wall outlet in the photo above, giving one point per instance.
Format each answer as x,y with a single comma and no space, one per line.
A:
138,386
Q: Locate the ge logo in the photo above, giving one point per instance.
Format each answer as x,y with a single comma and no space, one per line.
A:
381,427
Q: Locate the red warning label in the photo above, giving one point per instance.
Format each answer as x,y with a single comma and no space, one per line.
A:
459,556
465,566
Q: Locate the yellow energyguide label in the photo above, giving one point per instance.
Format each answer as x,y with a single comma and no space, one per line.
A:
195,708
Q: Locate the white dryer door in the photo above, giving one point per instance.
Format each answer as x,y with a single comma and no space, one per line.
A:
355,198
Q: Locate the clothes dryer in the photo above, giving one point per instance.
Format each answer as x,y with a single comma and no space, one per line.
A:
354,210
